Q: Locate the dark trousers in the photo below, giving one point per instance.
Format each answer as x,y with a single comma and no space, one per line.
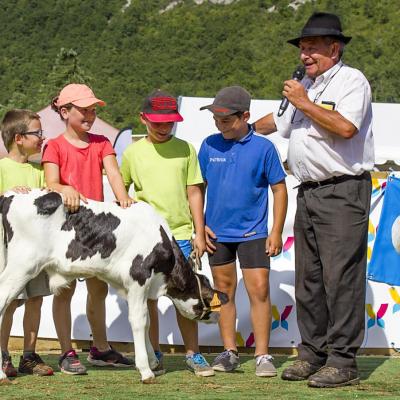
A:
331,233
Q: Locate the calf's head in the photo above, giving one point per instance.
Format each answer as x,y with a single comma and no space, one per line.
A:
192,293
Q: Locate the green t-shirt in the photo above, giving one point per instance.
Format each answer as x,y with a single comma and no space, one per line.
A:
13,174
160,174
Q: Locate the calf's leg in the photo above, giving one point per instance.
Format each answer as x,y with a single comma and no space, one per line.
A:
3,376
138,317
153,362
12,281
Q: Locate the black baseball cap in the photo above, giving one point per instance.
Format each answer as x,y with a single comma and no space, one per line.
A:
160,106
229,101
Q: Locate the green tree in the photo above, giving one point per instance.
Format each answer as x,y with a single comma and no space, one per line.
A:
66,69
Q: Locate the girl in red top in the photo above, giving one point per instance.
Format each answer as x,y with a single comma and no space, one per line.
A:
73,164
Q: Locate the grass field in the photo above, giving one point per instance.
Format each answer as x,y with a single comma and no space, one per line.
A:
380,379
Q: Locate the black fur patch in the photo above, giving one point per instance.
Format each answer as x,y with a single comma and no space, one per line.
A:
93,233
48,203
182,283
168,258
5,203
161,259
182,276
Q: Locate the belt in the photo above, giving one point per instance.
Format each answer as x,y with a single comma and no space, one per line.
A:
332,181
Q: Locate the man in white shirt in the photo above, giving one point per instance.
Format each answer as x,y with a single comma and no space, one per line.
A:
329,126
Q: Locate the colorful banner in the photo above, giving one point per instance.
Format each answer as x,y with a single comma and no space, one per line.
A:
382,312
385,261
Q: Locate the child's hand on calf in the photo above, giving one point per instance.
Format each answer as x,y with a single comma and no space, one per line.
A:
21,189
126,202
72,198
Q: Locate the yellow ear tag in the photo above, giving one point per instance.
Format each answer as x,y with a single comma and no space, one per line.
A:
215,304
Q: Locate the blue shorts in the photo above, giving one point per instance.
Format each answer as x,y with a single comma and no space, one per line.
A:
186,247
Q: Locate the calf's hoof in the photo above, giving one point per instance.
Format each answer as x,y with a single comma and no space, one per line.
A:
5,381
149,381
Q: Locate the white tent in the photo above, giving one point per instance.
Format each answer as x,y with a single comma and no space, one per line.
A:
53,126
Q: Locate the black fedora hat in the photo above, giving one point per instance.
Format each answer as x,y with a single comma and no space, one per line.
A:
322,24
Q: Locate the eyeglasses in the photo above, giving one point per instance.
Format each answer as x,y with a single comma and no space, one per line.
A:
38,133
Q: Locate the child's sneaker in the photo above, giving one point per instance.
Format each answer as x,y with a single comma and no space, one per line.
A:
8,367
264,366
227,361
69,364
159,370
34,365
109,358
199,365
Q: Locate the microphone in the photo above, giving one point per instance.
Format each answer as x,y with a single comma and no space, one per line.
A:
298,75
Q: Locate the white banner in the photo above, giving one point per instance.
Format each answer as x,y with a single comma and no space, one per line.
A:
382,317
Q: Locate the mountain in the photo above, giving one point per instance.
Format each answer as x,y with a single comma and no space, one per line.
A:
126,48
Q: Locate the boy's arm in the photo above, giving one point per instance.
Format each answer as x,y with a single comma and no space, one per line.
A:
71,197
273,244
125,172
195,195
117,185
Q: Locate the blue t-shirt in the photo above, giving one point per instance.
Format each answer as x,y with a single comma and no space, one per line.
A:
238,173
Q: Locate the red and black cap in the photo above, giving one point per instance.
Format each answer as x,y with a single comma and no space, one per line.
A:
229,101
160,106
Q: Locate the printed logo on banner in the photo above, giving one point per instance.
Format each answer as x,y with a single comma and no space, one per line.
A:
376,195
377,188
396,297
239,339
280,319
250,340
371,239
378,317
286,249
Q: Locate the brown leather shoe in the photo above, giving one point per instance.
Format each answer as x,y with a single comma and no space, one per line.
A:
330,377
34,365
299,371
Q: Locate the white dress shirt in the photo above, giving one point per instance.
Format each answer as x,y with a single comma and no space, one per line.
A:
314,153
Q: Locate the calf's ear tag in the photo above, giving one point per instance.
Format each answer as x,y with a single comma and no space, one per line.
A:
215,303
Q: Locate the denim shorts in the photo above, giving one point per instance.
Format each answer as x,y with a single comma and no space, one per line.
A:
186,247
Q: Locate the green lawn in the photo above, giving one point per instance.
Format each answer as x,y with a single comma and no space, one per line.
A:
380,378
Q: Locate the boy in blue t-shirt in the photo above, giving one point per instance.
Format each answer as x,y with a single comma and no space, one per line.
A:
238,167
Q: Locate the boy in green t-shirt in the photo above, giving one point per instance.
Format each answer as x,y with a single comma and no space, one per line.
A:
166,174
22,136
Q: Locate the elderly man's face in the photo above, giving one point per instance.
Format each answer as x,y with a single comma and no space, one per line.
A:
318,54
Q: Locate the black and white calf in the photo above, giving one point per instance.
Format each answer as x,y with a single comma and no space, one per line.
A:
131,249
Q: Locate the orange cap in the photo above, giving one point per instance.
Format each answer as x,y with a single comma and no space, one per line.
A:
79,95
